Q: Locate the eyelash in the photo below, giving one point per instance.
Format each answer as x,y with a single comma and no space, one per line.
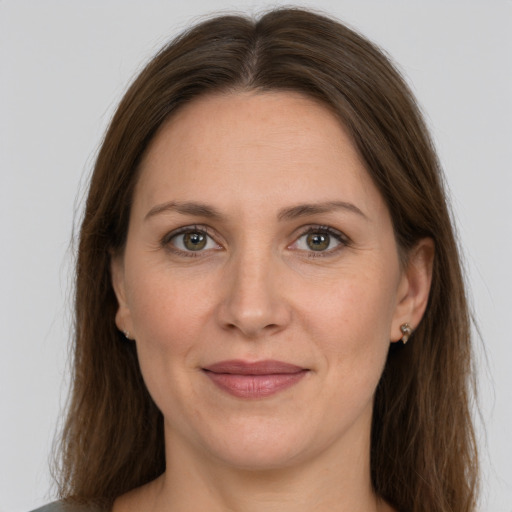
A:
343,240
166,240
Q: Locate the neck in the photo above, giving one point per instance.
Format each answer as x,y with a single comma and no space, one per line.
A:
335,479
328,483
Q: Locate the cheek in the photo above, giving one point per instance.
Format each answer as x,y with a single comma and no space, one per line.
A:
167,311
355,310
168,317
354,348
350,321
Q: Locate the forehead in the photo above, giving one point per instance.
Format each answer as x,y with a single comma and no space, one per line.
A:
269,146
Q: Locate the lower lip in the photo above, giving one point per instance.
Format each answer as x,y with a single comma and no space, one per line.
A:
255,386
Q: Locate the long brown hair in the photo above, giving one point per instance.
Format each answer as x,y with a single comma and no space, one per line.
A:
423,453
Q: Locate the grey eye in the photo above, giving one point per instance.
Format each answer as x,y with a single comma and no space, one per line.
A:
318,241
193,240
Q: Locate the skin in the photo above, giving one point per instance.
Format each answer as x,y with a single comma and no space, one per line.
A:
258,291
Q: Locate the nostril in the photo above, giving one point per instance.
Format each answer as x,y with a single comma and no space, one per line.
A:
251,330
252,307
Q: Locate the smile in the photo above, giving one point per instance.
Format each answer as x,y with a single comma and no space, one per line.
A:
254,380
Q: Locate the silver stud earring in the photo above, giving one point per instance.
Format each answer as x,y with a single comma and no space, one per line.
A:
126,335
406,330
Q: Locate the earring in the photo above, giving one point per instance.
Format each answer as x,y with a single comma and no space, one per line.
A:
406,330
126,335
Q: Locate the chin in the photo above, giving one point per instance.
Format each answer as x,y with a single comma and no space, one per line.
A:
263,447
261,458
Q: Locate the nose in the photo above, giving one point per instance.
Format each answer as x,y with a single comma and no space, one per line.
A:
253,300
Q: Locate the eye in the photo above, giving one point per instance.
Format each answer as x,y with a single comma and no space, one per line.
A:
320,239
190,240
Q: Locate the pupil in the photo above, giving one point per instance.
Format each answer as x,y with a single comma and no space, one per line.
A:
317,241
194,241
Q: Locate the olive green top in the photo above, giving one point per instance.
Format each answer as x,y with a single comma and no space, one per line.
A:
60,506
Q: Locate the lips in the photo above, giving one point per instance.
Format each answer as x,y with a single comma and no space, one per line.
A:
260,379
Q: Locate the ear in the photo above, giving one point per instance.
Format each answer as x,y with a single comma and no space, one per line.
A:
414,287
123,316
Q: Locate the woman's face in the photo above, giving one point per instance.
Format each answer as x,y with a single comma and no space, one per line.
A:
261,281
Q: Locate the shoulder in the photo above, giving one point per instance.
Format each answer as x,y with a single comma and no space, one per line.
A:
61,506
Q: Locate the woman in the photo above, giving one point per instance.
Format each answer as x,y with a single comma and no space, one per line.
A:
265,230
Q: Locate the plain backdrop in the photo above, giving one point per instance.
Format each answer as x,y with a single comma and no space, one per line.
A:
64,66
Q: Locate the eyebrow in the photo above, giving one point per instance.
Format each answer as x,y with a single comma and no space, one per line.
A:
185,208
293,212
304,210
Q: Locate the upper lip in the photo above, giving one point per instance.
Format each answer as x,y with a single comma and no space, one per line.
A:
240,367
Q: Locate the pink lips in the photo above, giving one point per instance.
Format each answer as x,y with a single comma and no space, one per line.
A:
254,380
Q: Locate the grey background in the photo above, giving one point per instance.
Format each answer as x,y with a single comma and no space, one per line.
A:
64,66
